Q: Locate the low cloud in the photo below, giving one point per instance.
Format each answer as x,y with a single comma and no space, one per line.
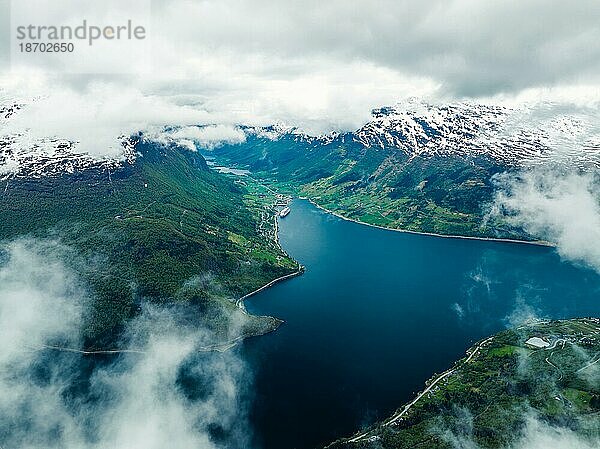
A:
523,312
97,118
319,67
169,394
458,309
207,137
540,435
563,208
36,300
536,434
226,91
152,409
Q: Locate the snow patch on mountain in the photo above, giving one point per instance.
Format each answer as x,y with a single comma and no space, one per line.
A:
24,156
508,135
511,136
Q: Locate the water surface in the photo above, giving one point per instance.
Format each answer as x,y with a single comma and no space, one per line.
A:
378,312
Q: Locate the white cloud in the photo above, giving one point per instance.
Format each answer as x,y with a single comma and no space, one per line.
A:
523,311
152,410
209,136
468,47
536,434
35,304
136,401
539,435
97,113
96,117
320,67
560,207
460,312
37,308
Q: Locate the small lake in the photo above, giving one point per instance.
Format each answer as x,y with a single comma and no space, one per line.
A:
379,312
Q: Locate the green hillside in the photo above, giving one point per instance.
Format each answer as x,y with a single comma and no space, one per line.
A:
485,400
164,229
381,186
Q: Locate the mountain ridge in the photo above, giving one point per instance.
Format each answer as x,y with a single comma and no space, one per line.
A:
469,129
163,229
412,128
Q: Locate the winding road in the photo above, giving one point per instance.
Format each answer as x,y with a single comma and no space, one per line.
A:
407,407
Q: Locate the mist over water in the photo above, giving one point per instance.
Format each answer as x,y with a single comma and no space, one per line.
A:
378,312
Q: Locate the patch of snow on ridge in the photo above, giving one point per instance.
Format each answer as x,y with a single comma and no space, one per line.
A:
511,136
22,156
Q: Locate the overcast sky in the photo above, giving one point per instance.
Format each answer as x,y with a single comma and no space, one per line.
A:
323,65
467,47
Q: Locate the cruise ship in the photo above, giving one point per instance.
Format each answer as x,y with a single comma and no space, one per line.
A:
284,212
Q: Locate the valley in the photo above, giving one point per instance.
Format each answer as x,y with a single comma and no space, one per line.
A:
418,167
198,234
160,227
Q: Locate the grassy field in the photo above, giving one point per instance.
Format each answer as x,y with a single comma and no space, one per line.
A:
449,195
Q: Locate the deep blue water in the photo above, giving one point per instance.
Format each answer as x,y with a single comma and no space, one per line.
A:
378,312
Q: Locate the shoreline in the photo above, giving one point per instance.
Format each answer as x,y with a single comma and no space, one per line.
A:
432,234
429,385
373,431
240,301
299,270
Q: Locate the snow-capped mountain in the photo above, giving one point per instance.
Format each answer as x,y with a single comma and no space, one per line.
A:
23,156
508,135
511,136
